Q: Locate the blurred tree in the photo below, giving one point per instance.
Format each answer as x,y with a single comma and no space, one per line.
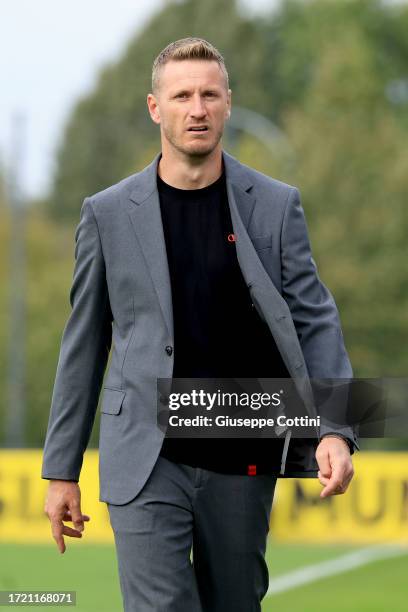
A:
293,36
353,168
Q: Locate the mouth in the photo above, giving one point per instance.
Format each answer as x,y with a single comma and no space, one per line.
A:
198,129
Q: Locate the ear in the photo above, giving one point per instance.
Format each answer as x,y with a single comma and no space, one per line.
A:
228,113
153,107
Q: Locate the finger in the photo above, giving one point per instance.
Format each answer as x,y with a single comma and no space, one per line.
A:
68,511
330,490
344,477
67,517
76,514
323,479
73,533
334,483
339,489
334,486
57,531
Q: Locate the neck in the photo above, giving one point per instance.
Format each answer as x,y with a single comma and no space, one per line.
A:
186,172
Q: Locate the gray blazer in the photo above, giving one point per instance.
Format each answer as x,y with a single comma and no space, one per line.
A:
121,300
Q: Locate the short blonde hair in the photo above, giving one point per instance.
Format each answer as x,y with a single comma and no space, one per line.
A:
187,49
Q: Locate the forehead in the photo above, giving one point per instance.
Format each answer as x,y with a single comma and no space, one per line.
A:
191,73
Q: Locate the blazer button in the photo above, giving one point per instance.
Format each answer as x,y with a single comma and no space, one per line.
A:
169,350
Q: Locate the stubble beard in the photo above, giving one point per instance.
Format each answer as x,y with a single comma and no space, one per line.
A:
200,150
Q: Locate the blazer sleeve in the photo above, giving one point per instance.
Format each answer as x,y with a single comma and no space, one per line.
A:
84,352
313,309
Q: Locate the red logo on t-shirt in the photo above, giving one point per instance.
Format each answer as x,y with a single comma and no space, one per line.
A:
251,470
231,238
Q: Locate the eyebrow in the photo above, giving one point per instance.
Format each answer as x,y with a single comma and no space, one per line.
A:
187,91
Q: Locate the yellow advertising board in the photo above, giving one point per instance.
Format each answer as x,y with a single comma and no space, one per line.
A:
23,493
374,508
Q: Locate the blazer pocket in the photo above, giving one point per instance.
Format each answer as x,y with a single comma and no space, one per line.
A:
261,242
112,400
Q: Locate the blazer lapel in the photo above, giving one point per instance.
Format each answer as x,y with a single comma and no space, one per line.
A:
145,215
264,294
271,304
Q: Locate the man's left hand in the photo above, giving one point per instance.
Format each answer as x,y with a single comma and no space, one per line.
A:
335,465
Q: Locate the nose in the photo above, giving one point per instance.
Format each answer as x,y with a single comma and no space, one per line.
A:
198,108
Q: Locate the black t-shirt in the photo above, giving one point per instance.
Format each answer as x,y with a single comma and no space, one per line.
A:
217,330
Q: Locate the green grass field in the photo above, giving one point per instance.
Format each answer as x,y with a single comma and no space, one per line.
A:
91,571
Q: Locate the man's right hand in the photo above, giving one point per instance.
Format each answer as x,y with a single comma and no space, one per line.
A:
63,503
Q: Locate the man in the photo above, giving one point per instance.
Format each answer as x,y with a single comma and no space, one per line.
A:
198,266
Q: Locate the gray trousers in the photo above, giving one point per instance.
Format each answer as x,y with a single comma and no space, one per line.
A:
223,519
